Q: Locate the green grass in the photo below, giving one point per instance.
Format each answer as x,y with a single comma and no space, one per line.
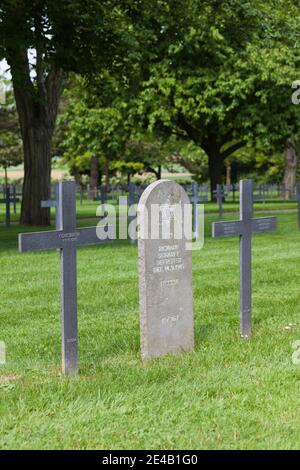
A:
228,393
88,208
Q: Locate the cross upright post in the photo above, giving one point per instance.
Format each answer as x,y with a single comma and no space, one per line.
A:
7,200
246,213
15,198
81,195
195,210
66,238
298,201
219,193
244,229
132,212
53,203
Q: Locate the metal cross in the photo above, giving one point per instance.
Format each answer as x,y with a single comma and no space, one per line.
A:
219,193
53,203
244,229
297,198
66,238
7,201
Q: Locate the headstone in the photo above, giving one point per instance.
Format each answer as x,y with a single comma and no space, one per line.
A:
244,229
165,272
66,238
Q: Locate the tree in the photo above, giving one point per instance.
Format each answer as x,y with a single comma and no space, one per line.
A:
95,124
290,171
90,131
224,77
10,140
42,40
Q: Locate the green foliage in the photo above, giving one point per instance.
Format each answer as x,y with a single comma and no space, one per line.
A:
89,130
11,153
224,78
98,124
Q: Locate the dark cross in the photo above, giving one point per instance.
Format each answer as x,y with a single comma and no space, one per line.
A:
219,193
297,198
260,196
195,199
132,200
103,198
53,203
7,201
66,238
244,229
81,195
15,200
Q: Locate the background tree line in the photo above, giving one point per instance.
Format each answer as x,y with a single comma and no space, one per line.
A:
139,84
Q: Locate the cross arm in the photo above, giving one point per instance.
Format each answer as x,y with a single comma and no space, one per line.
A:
88,236
227,229
39,241
50,203
11,199
264,224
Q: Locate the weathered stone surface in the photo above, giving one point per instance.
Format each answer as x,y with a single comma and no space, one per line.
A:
165,274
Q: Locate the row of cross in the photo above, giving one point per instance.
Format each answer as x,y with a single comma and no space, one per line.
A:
8,200
66,238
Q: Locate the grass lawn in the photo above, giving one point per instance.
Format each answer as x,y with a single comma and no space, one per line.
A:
228,393
88,208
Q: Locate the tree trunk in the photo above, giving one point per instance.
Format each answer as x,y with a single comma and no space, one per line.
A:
5,178
228,173
290,171
37,175
78,178
106,171
37,106
159,172
215,169
94,180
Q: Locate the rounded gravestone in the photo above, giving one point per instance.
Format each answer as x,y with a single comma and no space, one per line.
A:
165,270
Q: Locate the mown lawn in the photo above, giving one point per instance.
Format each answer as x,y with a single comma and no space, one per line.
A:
228,393
88,208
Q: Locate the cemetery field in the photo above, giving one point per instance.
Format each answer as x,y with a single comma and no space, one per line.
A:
227,394
88,208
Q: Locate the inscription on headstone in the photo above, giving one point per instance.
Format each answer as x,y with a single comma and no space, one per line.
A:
165,272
